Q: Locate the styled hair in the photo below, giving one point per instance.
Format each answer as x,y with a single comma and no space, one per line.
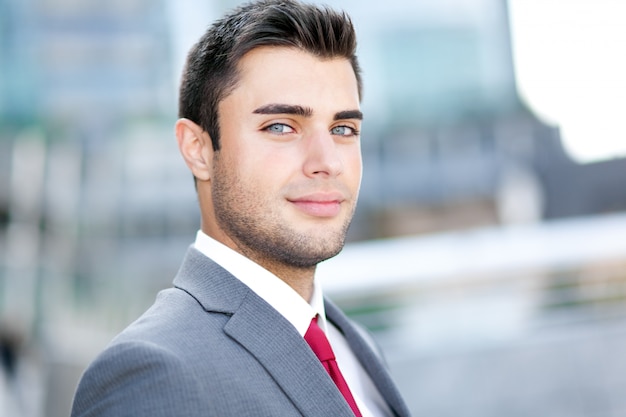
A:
211,70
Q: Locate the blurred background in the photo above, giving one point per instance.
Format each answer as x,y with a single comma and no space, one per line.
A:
488,253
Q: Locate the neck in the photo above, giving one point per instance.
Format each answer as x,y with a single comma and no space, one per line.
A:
301,280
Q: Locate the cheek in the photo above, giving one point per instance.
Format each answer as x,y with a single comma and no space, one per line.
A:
354,167
262,172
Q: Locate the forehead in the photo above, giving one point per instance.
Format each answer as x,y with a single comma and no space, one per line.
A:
293,75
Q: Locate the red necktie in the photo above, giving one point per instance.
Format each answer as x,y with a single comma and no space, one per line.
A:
316,338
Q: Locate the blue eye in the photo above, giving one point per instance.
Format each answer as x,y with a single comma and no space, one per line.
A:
344,131
279,128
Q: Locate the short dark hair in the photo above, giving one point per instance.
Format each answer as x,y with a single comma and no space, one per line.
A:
211,72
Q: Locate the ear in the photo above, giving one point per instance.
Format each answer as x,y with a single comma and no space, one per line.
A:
196,148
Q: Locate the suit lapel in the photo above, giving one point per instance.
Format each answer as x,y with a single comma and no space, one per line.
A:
266,334
370,360
287,357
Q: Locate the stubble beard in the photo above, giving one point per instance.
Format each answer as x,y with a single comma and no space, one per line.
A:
260,232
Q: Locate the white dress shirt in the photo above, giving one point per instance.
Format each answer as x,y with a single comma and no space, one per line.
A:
299,313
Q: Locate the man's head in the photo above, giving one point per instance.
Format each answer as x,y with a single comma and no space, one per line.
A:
278,83
211,71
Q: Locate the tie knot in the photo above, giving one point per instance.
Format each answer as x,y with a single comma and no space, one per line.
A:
316,338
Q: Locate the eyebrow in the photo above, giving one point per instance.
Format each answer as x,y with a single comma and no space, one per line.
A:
284,109
349,114
305,111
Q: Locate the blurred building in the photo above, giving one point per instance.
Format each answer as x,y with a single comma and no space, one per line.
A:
65,61
448,144
86,103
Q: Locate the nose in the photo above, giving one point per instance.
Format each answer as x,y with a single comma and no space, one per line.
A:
322,156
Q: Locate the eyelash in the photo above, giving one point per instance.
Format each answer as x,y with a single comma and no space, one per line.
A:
354,132
269,128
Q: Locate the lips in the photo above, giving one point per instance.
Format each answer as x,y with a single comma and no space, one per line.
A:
319,205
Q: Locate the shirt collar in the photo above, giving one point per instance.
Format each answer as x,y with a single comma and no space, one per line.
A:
266,285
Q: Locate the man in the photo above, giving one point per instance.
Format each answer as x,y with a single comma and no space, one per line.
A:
269,127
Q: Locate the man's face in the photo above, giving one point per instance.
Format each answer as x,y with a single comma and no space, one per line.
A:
285,181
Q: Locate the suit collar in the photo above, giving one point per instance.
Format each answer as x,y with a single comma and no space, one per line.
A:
211,285
273,340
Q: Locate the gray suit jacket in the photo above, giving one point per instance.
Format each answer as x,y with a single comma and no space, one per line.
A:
211,347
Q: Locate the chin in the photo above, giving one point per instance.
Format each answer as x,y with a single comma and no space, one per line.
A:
308,252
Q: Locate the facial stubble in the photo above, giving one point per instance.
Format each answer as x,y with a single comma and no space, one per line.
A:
254,223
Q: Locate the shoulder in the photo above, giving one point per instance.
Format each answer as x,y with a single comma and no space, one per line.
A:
149,368
136,378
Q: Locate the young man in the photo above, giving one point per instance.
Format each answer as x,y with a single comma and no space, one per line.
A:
270,120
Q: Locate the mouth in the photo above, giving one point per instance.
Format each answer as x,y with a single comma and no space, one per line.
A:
319,205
